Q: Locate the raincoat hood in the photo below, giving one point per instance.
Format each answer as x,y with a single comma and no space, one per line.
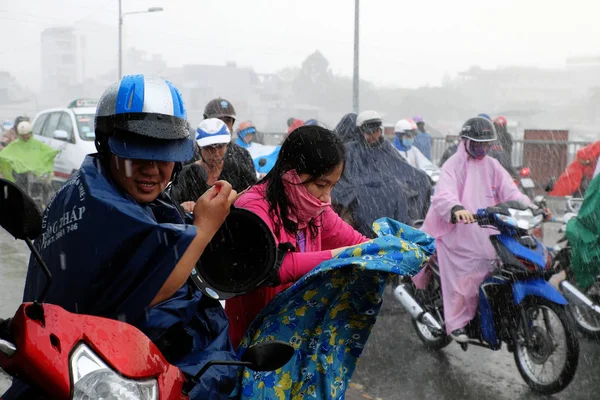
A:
589,153
347,129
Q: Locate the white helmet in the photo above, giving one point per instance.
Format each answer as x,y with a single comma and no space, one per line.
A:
402,126
24,128
367,121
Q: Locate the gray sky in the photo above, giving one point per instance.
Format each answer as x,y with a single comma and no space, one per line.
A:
402,43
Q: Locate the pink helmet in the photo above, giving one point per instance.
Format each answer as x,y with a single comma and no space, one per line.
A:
418,119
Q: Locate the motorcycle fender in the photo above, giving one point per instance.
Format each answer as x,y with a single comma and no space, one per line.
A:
539,288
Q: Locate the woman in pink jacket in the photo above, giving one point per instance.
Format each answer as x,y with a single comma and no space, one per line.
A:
294,201
469,181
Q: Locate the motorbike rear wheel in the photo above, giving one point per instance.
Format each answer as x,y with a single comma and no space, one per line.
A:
551,330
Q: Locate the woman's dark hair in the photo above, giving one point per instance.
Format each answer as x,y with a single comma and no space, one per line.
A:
312,150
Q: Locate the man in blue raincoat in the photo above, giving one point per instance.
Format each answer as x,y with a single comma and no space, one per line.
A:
118,247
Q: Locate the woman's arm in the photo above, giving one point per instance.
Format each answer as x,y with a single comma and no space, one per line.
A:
446,195
507,188
295,264
337,233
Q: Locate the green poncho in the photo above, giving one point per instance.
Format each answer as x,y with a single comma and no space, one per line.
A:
583,233
31,156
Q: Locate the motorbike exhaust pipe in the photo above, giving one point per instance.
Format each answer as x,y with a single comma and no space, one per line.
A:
572,293
414,309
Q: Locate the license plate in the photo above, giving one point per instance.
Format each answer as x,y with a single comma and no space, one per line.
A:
527,183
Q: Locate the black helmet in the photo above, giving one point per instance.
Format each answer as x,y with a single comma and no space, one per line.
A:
241,257
478,129
143,117
219,108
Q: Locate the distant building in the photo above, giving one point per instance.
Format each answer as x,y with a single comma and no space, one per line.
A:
59,59
10,90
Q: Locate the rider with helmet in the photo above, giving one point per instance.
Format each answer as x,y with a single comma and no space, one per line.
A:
369,124
377,182
469,181
29,162
213,139
11,135
245,134
422,137
223,109
118,247
404,142
504,136
574,181
496,150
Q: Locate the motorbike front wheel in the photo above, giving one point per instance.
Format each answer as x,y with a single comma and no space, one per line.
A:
549,362
588,320
431,340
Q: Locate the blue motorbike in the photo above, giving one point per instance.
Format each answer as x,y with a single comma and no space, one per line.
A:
516,304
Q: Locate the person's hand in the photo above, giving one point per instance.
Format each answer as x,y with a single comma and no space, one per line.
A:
213,207
464,216
188,206
547,214
337,251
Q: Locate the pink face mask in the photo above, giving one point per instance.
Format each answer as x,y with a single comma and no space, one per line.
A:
306,205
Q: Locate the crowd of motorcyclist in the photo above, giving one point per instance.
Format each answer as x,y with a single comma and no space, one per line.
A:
160,188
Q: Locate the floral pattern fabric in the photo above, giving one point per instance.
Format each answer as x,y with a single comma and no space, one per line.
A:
328,314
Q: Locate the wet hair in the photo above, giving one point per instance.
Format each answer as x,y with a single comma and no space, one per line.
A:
311,150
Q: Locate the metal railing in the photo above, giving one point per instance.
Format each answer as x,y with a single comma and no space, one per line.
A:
554,149
543,155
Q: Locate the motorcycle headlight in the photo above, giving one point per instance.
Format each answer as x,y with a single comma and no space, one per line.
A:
93,379
507,220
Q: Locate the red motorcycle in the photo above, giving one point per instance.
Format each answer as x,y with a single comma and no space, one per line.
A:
74,356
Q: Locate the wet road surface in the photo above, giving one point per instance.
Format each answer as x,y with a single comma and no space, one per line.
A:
394,365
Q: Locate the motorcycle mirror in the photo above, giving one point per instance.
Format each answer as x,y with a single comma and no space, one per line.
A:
21,217
268,356
550,185
265,356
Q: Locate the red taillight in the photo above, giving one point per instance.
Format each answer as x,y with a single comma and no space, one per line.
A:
538,233
525,172
529,265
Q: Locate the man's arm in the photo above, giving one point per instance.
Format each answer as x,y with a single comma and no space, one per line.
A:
209,214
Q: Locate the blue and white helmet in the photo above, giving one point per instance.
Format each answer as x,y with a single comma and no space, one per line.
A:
143,117
212,131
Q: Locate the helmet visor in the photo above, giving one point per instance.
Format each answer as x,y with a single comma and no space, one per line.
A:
144,148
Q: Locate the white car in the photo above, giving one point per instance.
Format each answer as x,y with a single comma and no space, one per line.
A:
70,130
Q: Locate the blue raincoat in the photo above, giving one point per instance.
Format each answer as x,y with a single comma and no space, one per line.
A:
109,256
270,161
327,316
